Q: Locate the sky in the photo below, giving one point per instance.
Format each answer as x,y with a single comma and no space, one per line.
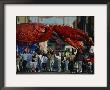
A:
67,20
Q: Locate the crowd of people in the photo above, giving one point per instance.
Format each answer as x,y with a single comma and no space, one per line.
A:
55,61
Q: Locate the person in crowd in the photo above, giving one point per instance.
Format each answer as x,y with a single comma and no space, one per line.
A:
79,58
36,62
21,65
33,62
65,63
48,62
18,62
79,66
44,62
55,65
58,57
62,64
25,59
52,59
84,66
39,61
90,63
70,64
91,51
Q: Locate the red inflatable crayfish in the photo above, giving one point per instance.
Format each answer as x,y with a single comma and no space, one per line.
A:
34,33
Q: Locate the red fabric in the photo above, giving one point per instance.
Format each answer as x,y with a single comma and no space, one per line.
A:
33,33
72,36
28,33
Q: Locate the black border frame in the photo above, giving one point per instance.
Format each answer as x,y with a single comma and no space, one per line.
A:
2,42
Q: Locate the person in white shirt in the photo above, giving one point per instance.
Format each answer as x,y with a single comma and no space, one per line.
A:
25,59
44,62
58,57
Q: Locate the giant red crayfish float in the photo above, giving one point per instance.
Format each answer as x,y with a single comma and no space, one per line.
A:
34,33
